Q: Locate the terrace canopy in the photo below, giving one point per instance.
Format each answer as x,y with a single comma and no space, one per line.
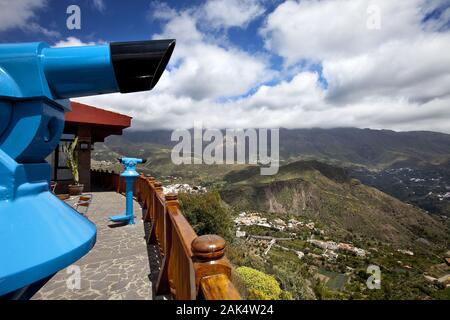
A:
90,124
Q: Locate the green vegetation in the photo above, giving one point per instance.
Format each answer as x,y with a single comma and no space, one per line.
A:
71,153
291,273
207,213
336,280
260,286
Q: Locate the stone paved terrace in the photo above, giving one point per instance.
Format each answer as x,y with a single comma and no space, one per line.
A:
118,267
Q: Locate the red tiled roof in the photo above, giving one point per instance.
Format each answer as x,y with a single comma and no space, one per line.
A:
89,115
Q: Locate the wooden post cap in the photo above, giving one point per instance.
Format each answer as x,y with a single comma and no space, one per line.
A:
208,247
171,196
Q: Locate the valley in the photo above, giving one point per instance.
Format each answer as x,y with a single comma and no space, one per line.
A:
425,186
331,201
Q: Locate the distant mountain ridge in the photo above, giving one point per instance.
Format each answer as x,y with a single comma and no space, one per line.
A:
411,166
349,146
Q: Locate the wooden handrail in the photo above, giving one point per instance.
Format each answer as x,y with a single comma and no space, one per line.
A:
218,287
192,266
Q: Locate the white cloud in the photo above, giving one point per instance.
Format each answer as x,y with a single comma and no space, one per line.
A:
418,70
208,71
20,14
231,13
72,42
161,11
302,91
203,69
99,5
263,109
213,14
36,28
183,27
397,77
405,60
320,30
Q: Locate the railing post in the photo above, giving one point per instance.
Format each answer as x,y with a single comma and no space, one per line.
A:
153,212
148,199
137,188
163,284
158,190
208,257
158,186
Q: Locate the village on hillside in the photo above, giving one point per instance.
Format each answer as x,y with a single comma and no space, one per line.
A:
334,261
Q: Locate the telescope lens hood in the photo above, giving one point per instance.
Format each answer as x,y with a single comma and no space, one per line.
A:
138,65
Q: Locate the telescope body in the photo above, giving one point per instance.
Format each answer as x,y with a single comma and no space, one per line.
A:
39,234
130,166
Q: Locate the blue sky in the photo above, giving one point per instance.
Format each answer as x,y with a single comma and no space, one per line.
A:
268,63
114,21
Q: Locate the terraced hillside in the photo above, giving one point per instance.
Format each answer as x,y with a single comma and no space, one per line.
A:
325,193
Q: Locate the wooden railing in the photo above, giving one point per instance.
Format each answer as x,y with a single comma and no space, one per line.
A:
192,267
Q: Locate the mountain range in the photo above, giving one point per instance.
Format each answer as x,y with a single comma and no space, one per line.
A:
368,183
375,149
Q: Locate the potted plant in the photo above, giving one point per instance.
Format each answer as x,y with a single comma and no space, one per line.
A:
71,153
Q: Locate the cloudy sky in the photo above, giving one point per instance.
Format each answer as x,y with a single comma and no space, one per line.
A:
248,63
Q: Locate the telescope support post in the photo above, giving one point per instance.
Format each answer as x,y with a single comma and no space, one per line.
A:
130,174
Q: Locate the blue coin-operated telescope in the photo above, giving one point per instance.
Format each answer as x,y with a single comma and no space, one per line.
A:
129,174
39,234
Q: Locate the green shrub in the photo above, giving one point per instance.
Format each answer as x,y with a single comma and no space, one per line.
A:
286,295
207,213
259,286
